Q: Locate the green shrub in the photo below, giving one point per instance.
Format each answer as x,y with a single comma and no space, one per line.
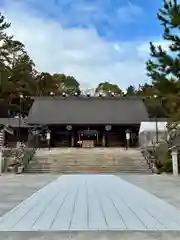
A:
167,166
163,157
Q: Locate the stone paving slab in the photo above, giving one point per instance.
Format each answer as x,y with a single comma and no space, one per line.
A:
105,235
164,186
16,188
91,203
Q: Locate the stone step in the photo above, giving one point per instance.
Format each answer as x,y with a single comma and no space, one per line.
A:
111,163
142,164
91,168
86,167
88,171
101,170
88,154
85,155
87,159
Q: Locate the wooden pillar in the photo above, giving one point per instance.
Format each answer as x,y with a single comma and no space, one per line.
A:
103,140
72,139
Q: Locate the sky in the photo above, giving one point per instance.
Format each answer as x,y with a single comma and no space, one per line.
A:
93,40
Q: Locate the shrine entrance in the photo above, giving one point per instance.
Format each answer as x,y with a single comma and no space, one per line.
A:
88,138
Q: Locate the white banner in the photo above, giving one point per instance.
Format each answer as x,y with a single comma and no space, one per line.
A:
48,136
128,136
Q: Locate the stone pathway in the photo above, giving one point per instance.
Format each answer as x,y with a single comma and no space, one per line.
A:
164,186
16,188
91,202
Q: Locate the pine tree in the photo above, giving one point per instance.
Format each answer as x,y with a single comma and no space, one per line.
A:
164,65
4,69
131,91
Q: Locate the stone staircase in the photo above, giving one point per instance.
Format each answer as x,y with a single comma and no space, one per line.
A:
97,160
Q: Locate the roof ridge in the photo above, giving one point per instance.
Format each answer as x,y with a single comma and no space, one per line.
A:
88,98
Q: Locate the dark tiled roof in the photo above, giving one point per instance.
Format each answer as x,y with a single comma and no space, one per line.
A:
84,110
14,122
158,119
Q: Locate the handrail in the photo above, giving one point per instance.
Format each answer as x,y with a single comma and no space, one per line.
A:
27,156
24,156
150,157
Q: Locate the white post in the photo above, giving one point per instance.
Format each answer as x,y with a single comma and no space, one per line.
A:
1,156
174,155
1,149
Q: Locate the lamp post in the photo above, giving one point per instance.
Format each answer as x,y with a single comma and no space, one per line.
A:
157,131
48,137
19,119
128,136
156,122
156,119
